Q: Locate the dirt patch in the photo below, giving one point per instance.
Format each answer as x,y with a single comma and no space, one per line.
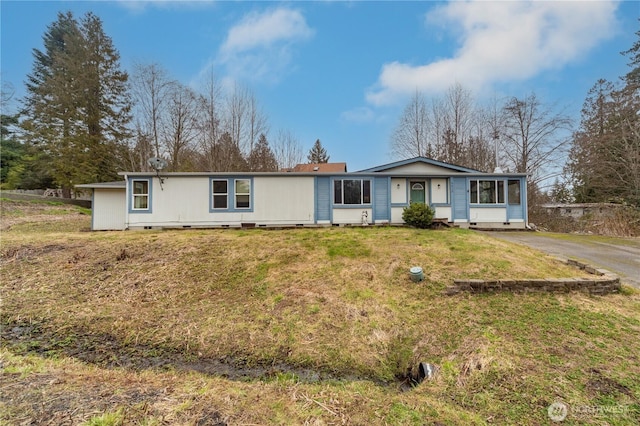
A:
599,384
45,399
30,252
108,352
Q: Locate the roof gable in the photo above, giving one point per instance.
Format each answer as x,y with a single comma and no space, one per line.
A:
420,165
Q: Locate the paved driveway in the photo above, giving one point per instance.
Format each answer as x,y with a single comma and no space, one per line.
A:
618,255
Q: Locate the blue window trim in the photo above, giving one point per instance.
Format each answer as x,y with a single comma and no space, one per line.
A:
149,208
351,206
231,194
211,208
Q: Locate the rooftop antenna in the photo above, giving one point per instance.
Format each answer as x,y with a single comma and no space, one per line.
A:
158,164
496,136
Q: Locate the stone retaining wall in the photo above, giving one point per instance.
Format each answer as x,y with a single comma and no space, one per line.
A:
605,283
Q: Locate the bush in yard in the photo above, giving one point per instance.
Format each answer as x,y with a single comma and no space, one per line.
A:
418,215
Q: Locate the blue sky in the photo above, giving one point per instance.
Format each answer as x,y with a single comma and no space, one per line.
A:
342,72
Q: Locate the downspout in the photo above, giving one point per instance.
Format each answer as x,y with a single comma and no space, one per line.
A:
525,200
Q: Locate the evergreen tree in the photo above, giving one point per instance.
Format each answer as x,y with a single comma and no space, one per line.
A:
560,193
633,76
11,150
586,168
230,158
77,106
317,154
604,163
262,158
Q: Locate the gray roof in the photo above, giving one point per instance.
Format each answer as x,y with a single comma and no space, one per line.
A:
120,184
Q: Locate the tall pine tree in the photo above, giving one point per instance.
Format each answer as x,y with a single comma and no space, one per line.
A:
77,107
604,160
317,154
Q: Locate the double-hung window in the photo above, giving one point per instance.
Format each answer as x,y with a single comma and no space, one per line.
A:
230,194
140,192
352,191
487,192
220,193
242,193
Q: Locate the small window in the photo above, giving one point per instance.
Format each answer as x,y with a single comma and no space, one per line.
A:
514,192
500,189
352,191
140,194
337,192
243,193
366,192
220,194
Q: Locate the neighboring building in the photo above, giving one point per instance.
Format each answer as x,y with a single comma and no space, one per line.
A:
578,210
462,196
319,168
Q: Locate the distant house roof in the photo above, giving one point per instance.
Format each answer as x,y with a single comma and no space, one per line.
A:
320,168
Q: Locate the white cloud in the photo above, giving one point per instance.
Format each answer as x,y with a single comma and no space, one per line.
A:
259,47
500,42
358,115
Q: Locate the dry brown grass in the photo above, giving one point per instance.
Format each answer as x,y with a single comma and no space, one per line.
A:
303,326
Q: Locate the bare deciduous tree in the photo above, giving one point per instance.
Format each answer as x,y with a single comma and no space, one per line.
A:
151,87
180,129
287,150
257,124
210,121
449,129
411,136
236,116
535,138
458,118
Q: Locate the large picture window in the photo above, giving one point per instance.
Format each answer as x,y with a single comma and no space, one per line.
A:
140,191
352,191
220,193
487,192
